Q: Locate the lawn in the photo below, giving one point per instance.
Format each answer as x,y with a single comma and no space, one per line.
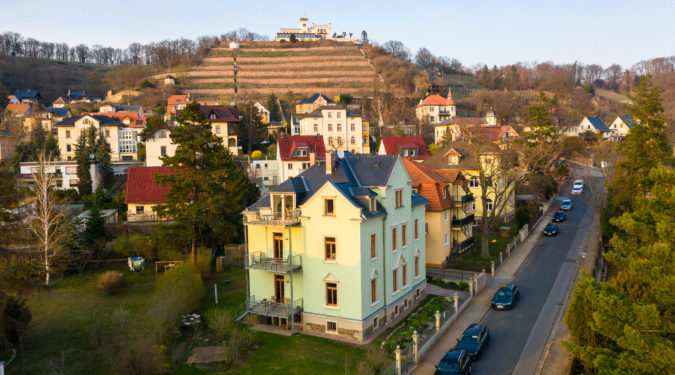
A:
473,261
74,331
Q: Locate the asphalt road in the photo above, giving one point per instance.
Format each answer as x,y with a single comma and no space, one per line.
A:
518,336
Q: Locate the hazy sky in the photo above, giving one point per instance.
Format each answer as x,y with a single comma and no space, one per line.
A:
472,31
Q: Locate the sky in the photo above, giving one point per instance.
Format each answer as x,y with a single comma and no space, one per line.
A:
474,32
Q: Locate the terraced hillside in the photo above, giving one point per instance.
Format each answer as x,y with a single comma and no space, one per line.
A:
262,69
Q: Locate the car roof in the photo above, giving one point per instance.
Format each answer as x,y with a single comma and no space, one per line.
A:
580,181
577,187
551,225
453,355
567,201
559,212
473,329
509,286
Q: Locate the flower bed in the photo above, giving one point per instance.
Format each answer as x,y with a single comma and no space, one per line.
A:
420,319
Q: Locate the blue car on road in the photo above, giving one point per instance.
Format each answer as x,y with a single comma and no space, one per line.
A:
566,205
505,297
474,339
454,362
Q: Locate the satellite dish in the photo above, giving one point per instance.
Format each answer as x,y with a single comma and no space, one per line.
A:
340,154
91,156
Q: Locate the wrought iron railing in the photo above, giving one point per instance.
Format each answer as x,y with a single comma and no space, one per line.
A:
458,223
466,198
275,217
259,261
273,308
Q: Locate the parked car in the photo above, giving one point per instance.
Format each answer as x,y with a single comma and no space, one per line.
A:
505,297
454,362
566,205
578,183
577,190
559,216
474,339
550,229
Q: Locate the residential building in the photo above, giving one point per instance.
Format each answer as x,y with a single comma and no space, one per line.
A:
462,211
296,153
22,114
8,142
136,110
334,251
588,123
122,139
621,126
64,173
130,119
341,129
264,113
436,109
143,194
451,130
311,104
25,96
224,122
406,130
460,155
52,115
304,33
60,102
176,103
157,144
265,173
169,80
78,97
412,147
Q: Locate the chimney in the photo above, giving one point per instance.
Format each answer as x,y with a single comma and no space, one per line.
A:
312,158
329,163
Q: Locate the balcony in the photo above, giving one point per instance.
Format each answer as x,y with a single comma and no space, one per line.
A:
272,308
141,218
462,246
258,261
279,219
458,223
466,198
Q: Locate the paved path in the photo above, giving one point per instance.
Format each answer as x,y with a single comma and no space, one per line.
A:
543,269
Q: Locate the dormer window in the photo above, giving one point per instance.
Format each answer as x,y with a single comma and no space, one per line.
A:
373,204
445,192
212,116
453,159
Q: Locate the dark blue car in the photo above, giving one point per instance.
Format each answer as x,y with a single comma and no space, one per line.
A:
506,297
550,229
474,340
454,362
559,216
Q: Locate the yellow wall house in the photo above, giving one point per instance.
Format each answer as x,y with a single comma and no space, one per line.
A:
309,105
339,250
122,140
143,194
157,144
459,155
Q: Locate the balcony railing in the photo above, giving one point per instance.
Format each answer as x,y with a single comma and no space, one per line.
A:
258,261
466,198
273,308
141,218
275,218
462,246
458,223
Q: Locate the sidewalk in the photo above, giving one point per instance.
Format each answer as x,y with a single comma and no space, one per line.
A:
481,303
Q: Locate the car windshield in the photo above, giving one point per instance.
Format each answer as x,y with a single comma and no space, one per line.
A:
550,226
559,213
567,201
503,293
448,366
469,339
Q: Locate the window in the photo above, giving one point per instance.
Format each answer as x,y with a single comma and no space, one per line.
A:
404,235
163,150
329,243
488,204
217,129
373,204
353,140
127,141
162,134
338,127
446,215
316,128
488,182
473,206
373,246
330,114
212,116
290,166
417,228
331,294
473,182
417,265
394,280
331,327
139,210
330,127
394,242
338,114
431,118
399,198
445,192
68,148
446,238
352,127
328,207
373,290
107,133
405,275
309,107
67,133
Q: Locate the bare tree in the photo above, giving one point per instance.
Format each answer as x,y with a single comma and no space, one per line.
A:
613,76
396,48
48,220
592,73
82,52
134,53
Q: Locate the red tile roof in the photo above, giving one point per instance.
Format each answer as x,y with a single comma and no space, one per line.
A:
429,182
141,186
436,100
18,109
289,143
131,119
496,132
393,145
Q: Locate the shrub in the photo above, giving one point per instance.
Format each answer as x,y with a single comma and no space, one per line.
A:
204,260
146,84
256,155
239,342
142,358
220,322
134,244
522,216
110,282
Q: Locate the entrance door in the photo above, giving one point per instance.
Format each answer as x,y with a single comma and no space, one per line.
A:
278,246
279,288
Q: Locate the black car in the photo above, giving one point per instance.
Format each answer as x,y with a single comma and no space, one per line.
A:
559,216
454,362
473,340
506,297
550,229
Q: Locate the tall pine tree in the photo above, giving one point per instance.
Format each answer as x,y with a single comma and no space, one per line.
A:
208,191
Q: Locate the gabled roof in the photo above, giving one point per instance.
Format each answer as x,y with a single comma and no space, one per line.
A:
77,95
598,124
496,132
393,145
27,94
177,99
314,97
288,144
427,181
103,120
61,100
223,113
130,119
19,109
149,135
467,160
58,112
628,121
141,185
128,108
434,100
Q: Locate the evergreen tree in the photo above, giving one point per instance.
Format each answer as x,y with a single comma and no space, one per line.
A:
208,191
364,37
102,156
82,156
250,127
273,106
95,234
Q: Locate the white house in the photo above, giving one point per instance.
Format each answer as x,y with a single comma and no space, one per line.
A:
622,125
295,153
158,144
64,173
341,129
266,173
589,123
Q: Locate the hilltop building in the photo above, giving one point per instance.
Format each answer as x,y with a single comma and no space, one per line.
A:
305,32
621,126
588,123
24,96
338,250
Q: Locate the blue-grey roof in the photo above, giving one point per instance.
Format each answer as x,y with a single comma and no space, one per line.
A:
598,124
104,120
352,175
21,94
418,199
317,112
59,112
77,95
628,121
128,108
314,97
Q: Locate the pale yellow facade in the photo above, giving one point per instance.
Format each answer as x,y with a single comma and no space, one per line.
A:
68,136
340,130
509,204
439,237
141,212
157,145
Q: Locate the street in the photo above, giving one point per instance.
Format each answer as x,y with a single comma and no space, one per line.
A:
517,337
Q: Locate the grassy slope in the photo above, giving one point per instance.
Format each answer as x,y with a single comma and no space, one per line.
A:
52,78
